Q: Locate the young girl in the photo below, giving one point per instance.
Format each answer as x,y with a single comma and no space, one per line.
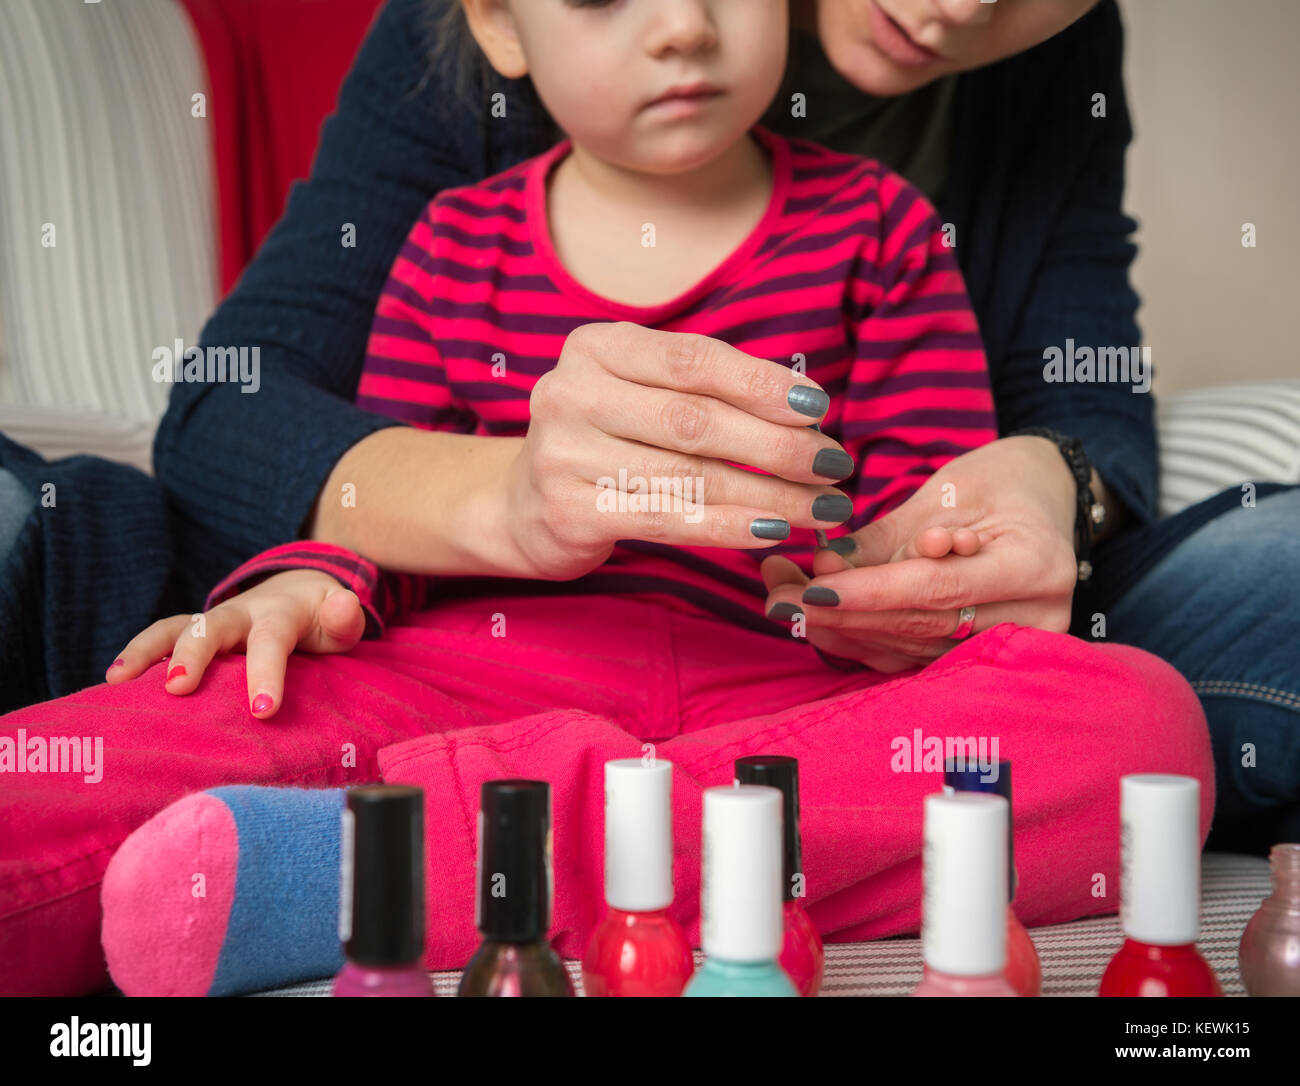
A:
827,295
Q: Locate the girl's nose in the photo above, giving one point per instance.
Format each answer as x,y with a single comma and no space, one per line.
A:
682,26
965,12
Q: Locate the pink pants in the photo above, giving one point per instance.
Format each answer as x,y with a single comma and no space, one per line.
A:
445,702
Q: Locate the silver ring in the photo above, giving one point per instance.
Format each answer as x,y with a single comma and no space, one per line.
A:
965,623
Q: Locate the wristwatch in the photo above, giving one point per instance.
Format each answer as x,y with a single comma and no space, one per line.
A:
1090,514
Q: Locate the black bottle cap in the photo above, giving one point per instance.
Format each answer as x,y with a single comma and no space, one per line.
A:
776,771
381,916
963,775
514,861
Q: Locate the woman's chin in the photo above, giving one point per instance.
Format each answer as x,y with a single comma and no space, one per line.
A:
863,65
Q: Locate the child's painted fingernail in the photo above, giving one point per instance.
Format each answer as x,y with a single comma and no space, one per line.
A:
821,597
770,528
784,612
262,703
809,401
176,672
119,662
844,546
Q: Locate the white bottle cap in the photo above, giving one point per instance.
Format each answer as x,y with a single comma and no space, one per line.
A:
1160,857
740,900
639,834
964,911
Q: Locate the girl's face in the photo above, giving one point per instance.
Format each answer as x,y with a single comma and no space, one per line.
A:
657,86
887,47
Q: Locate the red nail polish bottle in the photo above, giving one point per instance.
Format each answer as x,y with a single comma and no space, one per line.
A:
638,949
802,954
1160,891
1024,971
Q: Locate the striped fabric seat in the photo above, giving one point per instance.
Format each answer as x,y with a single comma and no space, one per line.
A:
1074,955
1225,435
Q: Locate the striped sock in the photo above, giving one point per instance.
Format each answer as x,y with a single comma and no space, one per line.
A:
231,890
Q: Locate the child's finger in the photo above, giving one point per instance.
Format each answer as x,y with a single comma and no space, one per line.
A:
145,649
340,623
271,642
965,542
201,638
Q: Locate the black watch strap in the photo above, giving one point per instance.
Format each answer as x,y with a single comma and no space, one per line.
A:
1089,513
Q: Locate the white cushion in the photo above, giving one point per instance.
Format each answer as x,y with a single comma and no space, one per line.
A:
98,140
1226,435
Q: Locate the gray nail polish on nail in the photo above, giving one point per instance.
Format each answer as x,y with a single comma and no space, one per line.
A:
770,528
844,546
821,597
809,401
833,464
784,612
834,508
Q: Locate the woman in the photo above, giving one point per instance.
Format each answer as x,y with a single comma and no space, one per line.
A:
1037,520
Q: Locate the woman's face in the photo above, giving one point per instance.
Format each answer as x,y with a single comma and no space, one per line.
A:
887,47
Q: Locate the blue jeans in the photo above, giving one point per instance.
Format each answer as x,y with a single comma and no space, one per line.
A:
1224,608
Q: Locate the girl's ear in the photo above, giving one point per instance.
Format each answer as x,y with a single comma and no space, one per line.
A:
493,27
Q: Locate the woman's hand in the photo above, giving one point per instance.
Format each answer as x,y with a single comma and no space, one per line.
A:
627,406
992,529
301,609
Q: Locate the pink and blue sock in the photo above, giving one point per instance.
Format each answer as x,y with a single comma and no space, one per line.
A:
231,890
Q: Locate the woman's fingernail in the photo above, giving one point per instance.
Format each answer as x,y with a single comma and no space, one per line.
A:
770,528
784,612
835,508
119,662
809,401
844,546
821,597
262,703
176,672
833,464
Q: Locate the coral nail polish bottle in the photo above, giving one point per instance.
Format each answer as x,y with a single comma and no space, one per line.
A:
638,949
1269,955
381,913
1024,971
514,891
740,897
964,910
802,955
1160,891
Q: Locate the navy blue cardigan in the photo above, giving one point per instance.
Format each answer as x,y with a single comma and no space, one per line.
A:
1035,188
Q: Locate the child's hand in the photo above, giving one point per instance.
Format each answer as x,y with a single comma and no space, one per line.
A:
297,609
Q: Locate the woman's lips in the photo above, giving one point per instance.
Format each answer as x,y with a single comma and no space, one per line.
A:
894,42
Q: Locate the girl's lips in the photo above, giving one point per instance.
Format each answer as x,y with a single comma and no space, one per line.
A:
893,41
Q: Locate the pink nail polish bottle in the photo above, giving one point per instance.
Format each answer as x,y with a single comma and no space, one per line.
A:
1269,955
638,949
1160,890
964,910
1024,970
802,954
381,913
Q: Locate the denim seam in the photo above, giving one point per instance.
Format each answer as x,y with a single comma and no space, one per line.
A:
1255,691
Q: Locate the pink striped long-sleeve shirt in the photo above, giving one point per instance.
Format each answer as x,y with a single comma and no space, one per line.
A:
847,273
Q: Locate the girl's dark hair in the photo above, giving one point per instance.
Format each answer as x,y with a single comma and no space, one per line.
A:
474,81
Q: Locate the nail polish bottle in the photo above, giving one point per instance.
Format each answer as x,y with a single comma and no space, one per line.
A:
802,955
1269,955
740,896
964,909
513,900
381,901
1024,971
638,949
1160,890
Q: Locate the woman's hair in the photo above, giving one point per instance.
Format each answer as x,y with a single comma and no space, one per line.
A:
453,46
